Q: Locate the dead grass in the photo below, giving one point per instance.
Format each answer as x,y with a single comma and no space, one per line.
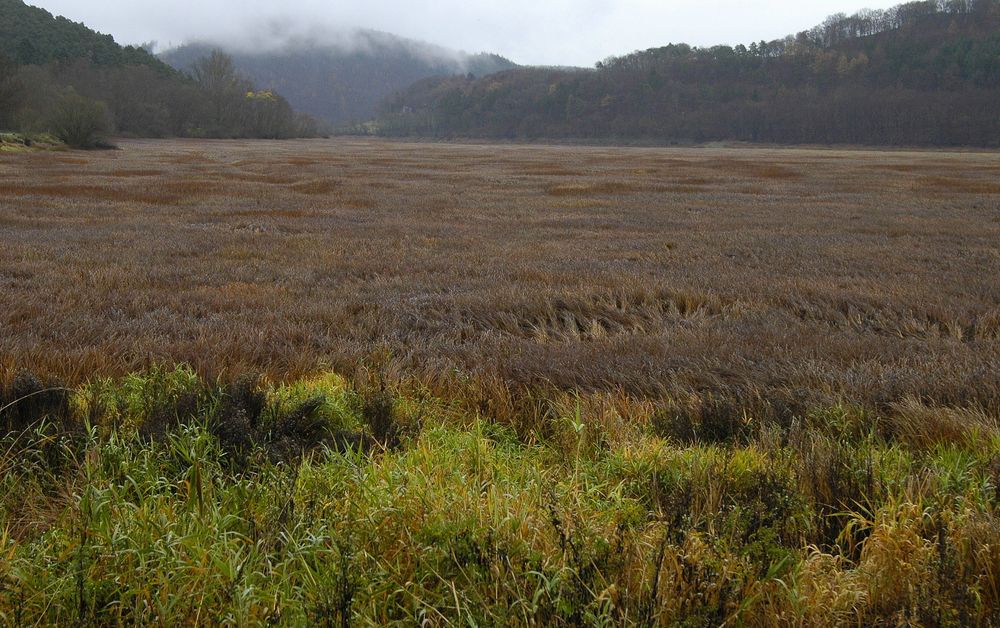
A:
318,187
921,426
755,169
126,173
766,277
964,185
590,189
158,193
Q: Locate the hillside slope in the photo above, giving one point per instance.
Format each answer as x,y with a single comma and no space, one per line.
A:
53,69
33,36
344,82
923,73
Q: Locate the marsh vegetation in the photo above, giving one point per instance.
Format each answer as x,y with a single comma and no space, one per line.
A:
363,382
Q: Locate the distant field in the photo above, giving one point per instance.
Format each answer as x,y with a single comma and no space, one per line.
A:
792,276
362,383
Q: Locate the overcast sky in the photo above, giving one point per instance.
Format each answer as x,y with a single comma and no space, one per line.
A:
549,32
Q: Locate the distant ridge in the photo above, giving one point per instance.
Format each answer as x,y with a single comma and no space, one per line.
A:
345,79
923,73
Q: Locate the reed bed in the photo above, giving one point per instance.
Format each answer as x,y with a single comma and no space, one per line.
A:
359,382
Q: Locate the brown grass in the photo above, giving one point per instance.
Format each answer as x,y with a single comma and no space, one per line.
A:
318,187
591,189
946,185
921,426
754,169
126,173
752,274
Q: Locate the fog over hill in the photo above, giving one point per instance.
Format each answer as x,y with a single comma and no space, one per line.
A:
340,76
62,77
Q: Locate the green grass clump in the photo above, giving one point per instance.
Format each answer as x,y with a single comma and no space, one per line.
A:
330,503
22,142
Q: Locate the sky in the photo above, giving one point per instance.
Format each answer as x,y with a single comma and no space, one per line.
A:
536,32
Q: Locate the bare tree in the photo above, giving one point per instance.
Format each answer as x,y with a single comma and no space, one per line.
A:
225,90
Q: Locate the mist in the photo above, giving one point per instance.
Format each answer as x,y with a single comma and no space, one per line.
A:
283,34
554,32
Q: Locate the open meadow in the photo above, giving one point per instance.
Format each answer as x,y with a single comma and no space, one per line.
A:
362,382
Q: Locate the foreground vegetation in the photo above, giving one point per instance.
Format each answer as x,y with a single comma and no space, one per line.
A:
619,386
160,498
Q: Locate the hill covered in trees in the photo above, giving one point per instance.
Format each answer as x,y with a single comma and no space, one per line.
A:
344,79
33,36
62,77
922,73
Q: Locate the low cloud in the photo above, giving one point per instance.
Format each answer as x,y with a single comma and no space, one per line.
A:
552,32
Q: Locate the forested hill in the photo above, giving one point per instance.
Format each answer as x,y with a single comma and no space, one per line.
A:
923,73
33,36
345,79
61,77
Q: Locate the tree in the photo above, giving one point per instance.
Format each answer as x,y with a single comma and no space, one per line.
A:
216,73
224,90
143,96
79,121
11,92
269,116
923,78
28,53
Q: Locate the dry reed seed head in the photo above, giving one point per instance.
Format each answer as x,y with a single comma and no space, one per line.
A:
926,426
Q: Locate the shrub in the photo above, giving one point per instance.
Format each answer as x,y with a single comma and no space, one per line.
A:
238,421
378,408
703,418
80,121
29,400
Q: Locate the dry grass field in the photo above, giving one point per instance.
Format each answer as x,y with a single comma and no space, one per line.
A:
794,276
363,383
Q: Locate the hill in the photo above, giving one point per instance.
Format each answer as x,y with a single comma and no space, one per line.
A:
60,76
923,73
344,80
33,36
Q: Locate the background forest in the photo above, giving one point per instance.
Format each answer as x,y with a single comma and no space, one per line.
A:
62,77
923,73
343,79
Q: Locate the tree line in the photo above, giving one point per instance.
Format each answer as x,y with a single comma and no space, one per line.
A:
923,73
61,77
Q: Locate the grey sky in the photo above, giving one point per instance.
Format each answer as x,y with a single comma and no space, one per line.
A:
553,32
